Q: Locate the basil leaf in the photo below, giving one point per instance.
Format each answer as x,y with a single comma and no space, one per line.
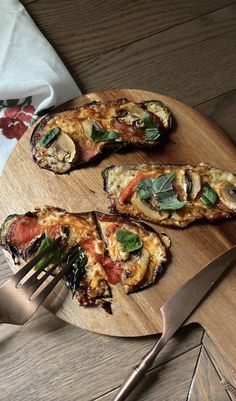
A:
163,183
129,240
148,121
49,137
151,186
152,134
209,196
171,202
53,256
77,270
103,136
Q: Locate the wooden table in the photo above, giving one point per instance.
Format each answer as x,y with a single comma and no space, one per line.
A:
185,49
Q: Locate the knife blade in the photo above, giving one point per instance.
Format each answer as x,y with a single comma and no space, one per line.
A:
176,310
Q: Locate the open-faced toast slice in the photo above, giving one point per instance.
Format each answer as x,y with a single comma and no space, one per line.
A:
172,195
66,140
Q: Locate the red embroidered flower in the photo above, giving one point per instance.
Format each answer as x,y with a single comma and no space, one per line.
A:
16,120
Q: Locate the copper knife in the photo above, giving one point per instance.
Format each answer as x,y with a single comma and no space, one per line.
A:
174,313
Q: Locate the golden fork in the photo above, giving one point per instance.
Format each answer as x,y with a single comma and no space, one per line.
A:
19,301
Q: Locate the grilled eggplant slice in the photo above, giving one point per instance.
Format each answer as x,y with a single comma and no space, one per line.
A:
100,263
66,140
171,195
138,252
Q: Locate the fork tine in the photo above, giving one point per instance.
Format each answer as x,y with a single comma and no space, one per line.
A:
46,291
22,272
32,284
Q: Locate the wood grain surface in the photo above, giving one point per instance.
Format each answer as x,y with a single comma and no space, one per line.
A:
184,49
137,314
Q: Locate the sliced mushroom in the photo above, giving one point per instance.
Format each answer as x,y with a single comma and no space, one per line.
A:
134,109
63,148
227,195
135,268
147,211
161,111
131,114
192,184
87,125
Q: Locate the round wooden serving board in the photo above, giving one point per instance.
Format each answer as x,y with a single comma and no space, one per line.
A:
24,186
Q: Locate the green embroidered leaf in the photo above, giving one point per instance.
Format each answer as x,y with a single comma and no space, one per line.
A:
49,137
11,102
103,136
129,240
26,101
209,196
152,134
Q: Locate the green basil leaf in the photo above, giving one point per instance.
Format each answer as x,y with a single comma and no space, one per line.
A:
49,137
163,183
209,196
53,256
148,121
152,134
103,136
151,186
129,240
171,202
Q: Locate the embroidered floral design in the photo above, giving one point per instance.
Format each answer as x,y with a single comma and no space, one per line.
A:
16,117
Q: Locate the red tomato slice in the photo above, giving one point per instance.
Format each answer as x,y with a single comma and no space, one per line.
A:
23,230
89,246
127,129
53,231
113,270
111,229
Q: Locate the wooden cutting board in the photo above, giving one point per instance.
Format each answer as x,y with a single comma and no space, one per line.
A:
24,186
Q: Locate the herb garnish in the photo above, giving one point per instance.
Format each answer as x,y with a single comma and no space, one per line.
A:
52,257
209,196
103,136
152,130
152,134
129,240
162,187
49,137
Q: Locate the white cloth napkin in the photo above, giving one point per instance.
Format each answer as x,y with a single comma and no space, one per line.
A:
32,75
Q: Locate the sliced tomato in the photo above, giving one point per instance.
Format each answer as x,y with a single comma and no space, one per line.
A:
87,150
23,230
88,245
113,270
128,191
111,229
128,129
53,231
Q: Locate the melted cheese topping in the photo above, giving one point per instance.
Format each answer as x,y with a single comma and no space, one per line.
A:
118,178
142,270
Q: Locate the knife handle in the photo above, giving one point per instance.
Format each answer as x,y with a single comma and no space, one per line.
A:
140,370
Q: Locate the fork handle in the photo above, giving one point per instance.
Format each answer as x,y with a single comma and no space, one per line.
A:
139,371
